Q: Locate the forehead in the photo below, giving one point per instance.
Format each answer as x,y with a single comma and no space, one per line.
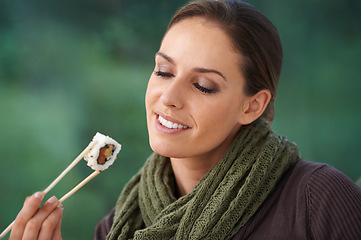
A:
201,41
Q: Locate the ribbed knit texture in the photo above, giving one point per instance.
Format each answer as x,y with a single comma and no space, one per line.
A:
328,195
219,205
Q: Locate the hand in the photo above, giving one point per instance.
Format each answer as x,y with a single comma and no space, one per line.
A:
34,222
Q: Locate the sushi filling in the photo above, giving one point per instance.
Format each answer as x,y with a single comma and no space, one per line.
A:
104,153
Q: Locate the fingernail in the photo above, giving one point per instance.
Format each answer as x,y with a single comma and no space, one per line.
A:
60,206
52,200
38,195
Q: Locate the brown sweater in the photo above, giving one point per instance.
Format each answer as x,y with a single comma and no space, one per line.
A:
312,201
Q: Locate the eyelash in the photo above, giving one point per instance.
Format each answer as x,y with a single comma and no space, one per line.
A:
163,74
196,85
203,89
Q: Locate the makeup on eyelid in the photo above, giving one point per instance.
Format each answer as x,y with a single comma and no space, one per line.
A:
202,87
170,60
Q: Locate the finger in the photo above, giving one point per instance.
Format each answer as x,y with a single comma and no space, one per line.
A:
35,224
51,226
31,206
57,233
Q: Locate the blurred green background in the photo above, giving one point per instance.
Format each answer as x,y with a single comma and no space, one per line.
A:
71,68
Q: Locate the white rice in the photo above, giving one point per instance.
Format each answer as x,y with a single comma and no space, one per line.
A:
93,155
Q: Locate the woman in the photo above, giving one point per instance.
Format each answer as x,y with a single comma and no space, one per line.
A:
218,171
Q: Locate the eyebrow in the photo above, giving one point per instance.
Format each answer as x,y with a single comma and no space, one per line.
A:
167,58
205,70
196,69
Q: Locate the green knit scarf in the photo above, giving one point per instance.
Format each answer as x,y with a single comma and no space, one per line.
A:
219,205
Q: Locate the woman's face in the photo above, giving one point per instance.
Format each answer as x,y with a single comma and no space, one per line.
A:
195,95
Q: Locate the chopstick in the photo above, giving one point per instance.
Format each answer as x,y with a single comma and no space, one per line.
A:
77,187
3,234
71,192
76,161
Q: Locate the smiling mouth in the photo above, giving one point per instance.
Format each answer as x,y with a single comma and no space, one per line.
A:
169,124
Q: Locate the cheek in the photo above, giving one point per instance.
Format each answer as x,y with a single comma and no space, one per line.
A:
219,119
149,94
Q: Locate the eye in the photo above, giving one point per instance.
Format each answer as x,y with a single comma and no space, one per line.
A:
163,74
204,89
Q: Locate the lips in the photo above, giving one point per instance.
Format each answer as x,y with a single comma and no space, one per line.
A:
170,124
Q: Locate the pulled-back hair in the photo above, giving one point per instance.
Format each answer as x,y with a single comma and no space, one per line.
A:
252,35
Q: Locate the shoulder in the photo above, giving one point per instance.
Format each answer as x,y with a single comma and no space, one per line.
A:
312,201
302,171
333,205
324,179
318,180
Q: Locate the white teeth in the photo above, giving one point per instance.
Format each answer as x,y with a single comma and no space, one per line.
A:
170,124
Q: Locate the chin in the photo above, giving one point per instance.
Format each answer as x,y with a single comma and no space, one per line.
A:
161,149
166,150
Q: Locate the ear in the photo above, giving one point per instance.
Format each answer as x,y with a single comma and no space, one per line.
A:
254,106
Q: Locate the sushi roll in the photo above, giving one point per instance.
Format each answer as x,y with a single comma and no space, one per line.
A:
103,153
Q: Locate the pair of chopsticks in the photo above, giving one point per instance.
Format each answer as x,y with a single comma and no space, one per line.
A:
71,192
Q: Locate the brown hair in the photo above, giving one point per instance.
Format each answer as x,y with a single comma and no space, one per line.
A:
252,34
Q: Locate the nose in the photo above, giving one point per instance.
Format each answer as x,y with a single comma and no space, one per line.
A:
172,95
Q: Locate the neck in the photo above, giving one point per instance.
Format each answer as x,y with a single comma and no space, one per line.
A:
187,173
